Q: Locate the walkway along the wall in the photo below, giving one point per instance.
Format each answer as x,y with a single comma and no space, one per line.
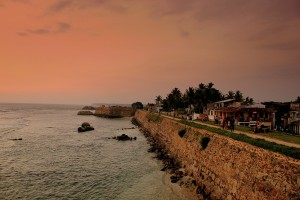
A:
225,168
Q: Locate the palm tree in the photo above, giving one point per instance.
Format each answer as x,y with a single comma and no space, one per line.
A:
239,96
230,95
190,96
158,99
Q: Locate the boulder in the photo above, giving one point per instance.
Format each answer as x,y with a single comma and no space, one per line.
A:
17,139
88,108
123,137
85,112
85,127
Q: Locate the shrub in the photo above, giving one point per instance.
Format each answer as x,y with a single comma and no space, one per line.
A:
182,132
204,142
154,117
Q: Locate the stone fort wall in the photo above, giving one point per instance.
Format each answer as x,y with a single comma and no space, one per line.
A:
226,168
114,111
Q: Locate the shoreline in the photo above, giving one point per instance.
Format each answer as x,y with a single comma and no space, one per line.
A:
183,185
181,191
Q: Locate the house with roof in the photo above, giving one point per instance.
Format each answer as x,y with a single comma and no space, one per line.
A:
243,114
287,117
294,118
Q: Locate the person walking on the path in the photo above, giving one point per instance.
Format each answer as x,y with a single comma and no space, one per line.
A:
232,121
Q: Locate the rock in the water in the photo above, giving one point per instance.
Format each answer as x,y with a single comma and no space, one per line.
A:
85,112
123,137
88,108
85,124
17,139
85,127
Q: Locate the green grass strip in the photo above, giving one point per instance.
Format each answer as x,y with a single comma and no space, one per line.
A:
279,148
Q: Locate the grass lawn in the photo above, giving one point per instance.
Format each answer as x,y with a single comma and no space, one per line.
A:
285,150
273,134
282,136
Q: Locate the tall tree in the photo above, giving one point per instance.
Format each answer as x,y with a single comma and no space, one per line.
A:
189,96
206,94
248,101
174,100
230,95
239,96
158,99
137,105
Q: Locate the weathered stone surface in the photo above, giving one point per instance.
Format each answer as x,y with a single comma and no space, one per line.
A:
85,112
17,139
114,112
123,137
85,127
230,169
88,108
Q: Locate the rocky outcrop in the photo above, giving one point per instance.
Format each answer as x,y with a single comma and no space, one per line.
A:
88,108
123,137
85,112
114,112
17,139
85,127
226,168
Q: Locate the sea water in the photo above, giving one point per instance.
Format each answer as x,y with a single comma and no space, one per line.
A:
54,161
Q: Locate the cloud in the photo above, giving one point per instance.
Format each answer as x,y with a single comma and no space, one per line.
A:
40,31
291,45
2,3
185,34
63,5
61,27
22,1
267,31
228,9
22,34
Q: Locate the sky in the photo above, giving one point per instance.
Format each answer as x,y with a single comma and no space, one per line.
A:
123,51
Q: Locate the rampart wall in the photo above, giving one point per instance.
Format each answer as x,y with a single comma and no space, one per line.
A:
225,169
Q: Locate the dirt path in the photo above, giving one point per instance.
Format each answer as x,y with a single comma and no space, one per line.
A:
245,133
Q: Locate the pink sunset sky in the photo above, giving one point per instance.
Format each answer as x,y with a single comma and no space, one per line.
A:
122,51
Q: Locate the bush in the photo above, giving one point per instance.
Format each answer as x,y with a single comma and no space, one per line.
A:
204,142
154,117
182,132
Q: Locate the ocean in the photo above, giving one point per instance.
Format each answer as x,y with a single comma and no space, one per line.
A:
54,161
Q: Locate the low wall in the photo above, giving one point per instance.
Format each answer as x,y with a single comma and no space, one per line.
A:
225,169
114,111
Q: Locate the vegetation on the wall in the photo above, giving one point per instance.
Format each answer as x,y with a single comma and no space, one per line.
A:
204,142
282,149
182,132
154,117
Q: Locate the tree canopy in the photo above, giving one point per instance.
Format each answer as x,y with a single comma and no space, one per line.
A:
137,105
199,97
